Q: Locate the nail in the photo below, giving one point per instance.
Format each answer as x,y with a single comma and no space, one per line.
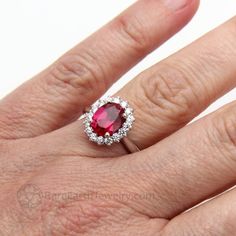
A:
176,4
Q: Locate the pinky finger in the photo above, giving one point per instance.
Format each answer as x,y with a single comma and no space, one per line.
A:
216,217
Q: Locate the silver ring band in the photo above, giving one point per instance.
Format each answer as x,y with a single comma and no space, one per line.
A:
129,145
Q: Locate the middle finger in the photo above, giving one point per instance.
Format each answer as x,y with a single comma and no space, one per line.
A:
171,93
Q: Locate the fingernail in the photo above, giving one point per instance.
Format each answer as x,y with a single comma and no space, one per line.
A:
176,4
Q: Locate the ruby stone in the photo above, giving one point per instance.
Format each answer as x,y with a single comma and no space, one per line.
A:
108,119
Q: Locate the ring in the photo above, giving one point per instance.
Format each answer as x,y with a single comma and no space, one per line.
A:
108,121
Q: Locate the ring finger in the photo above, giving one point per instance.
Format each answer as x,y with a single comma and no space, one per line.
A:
170,94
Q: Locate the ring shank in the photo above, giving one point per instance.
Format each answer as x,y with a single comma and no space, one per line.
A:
129,145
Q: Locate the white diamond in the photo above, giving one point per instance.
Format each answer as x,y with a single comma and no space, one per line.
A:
88,130
99,103
94,109
122,132
109,99
128,111
108,141
100,140
116,100
89,116
116,137
130,119
93,137
127,126
124,104
87,124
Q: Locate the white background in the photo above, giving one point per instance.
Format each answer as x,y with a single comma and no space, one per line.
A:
36,32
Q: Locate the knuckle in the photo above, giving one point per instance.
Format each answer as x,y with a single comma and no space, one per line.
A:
133,33
81,71
224,124
168,91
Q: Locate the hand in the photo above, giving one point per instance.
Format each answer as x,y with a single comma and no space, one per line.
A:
56,182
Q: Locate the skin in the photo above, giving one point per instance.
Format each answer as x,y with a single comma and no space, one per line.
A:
55,182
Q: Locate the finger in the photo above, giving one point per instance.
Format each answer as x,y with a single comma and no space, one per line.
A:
189,166
171,93
215,217
172,176
60,93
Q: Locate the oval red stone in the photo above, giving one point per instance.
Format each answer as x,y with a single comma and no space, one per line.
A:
108,119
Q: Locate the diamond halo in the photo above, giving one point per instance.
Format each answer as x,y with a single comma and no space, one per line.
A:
122,132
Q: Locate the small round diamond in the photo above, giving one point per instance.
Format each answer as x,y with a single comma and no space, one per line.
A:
86,124
93,137
122,132
89,116
100,140
108,141
116,100
128,111
116,137
127,126
124,104
130,119
89,130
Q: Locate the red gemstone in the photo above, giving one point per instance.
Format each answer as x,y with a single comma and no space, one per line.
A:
108,119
